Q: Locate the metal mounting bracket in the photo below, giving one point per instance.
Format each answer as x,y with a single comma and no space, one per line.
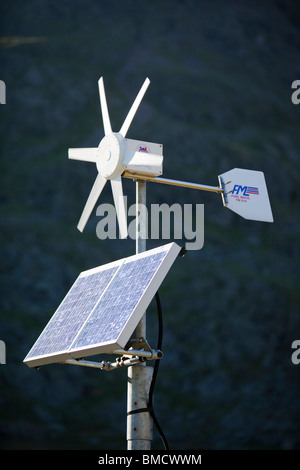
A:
224,193
135,352
138,343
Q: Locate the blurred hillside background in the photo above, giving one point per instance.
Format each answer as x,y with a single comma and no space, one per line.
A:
220,98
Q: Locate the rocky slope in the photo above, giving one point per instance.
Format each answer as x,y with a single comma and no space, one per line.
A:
220,97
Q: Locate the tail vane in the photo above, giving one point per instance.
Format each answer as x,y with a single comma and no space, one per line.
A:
245,192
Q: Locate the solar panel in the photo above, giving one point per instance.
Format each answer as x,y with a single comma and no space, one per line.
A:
103,307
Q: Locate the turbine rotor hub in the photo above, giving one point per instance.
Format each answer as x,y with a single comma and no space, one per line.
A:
110,156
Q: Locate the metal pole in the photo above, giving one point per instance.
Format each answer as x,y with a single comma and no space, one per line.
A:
182,184
139,425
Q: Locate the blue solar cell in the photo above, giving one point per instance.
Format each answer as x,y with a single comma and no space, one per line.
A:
118,302
72,313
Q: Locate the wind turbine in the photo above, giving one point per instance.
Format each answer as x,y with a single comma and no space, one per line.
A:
243,191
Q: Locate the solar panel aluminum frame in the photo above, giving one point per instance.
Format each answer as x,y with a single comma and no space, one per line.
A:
119,342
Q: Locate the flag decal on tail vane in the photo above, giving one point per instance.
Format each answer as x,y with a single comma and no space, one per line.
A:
251,190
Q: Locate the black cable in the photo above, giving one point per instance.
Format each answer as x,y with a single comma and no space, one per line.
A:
155,371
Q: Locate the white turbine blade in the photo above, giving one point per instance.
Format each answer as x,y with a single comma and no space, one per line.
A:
84,154
104,109
134,107
90,203
119,201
